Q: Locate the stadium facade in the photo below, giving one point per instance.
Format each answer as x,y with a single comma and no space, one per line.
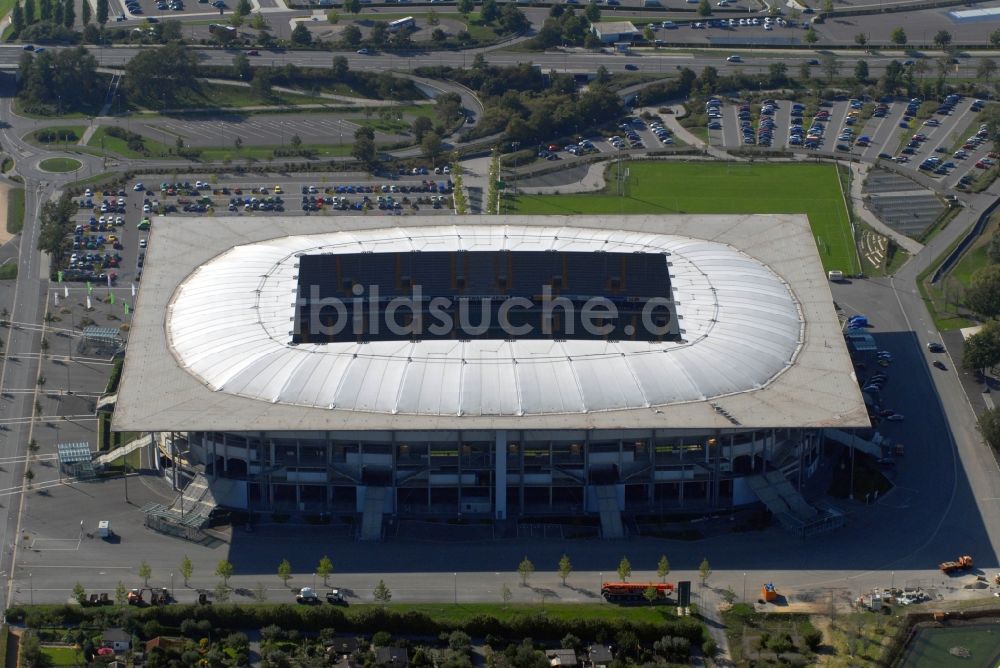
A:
337,365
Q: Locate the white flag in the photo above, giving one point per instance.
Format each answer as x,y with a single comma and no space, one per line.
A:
133,290
55,297
88,302
66,291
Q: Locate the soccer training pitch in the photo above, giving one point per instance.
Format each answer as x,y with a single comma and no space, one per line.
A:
712,187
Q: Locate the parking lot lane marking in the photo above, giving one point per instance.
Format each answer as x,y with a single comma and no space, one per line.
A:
41,544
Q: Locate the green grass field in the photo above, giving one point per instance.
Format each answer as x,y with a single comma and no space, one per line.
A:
732,188
15,210
63,656
154,148
59,165
930,648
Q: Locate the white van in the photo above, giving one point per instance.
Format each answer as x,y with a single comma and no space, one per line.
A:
835,275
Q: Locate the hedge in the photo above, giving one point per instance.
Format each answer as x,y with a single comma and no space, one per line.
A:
363,621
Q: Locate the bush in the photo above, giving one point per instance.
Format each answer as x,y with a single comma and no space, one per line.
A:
813,638
709,648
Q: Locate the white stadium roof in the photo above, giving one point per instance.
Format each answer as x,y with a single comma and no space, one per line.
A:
210,346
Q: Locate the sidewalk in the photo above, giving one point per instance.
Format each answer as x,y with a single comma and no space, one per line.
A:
859,171
673,122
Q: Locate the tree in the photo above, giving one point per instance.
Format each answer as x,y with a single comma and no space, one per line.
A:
121,594
861,71
225,569
431,146
995,38
663,568
624,569
295,141
243,8
364,147
102,12
79,593
985,70
983,293
810,36
989,426
351,35
301,35
982,350
44,10
565,568
379,33
489,11
704,8
465,7
777,73
241,63
382,594
704,571
58,9
157,77
942,39
17,19
258,22
85,13
506,594
69,13
285,571
339,68
260,85
421,126
29,12
650,594
145,572
324,569
898,37
221,593
592,13
186,569
525,569
805,70
352,6
861,39
235,20
830,66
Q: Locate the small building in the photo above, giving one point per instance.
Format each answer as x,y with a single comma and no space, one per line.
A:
117,639
599,656
396,657
609,32
343,646
165,644
562,658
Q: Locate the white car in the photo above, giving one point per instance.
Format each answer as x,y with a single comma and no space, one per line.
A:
734,59
895,417
138,187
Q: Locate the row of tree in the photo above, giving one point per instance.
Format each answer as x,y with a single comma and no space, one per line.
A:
54,12
58,81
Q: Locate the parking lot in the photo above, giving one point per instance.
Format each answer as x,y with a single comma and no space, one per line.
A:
162,9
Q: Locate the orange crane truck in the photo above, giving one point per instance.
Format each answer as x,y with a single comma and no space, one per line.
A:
963,563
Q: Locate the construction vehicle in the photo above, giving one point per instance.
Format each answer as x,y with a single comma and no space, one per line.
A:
769,593
158,596
307,596
963,563
96,600
634,591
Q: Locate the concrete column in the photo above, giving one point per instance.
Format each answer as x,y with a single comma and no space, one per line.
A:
500,473
173,457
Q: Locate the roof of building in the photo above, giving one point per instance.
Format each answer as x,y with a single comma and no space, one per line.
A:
614,27
391,656
760,344
562,657
600,654
116,635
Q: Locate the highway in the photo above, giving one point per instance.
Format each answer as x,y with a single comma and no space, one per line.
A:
662,61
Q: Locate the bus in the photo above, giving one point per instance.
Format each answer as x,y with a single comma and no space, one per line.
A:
402,24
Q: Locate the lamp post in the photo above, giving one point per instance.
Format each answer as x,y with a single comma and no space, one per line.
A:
456,587
744,587
171,585
31,588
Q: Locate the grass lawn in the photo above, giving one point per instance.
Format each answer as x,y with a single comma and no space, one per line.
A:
15,210
449,612
60,165
8,271
222,95
63,656
154,149
731,188
8,164
267,152
65,135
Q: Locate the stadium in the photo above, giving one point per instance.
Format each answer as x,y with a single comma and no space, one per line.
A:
493,369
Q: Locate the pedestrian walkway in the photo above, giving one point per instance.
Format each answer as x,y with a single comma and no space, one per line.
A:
858,173
673,122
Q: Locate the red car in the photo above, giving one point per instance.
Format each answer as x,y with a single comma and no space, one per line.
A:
253,52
